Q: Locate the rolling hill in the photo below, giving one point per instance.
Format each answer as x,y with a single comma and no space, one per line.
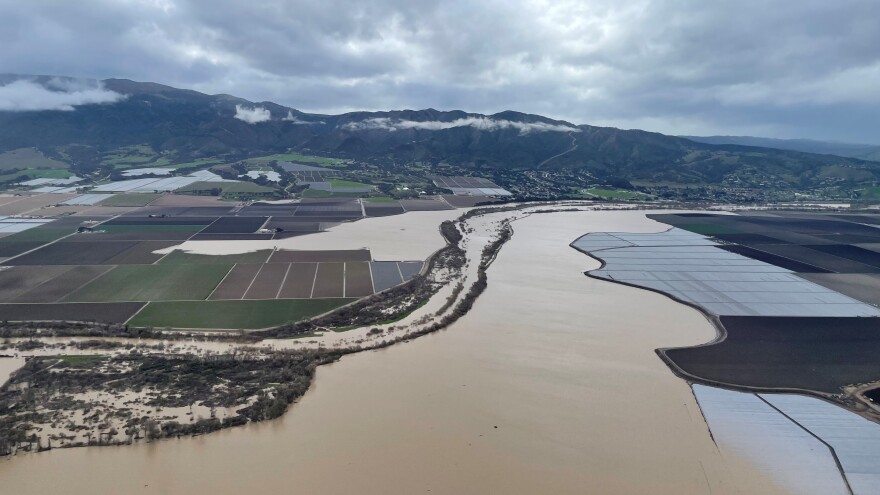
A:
188,125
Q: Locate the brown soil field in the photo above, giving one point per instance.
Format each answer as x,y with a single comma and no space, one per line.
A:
108,211
103,312
235,225
299,281
357,279
63,284
141,253
189,201
231,237
288,256
154,221
237,281
425,204
374,210
329,281
73,253
152,235
27,203
862,286
17,280
57,211
268,282
9,248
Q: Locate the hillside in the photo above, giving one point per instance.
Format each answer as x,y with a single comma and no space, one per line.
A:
185,125
861,151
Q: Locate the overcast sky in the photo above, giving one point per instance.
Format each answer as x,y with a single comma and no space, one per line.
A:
783,68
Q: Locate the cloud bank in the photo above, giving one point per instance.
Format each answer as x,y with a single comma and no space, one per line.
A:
26,95
482,123
809,68
252,115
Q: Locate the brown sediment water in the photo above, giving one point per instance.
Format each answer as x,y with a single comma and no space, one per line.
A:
413,236
549,385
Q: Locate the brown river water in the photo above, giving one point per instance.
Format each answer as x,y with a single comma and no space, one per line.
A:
549,385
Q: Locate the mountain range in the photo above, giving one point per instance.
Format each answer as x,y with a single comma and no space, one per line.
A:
189,124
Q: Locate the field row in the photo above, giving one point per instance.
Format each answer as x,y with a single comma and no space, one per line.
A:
200,281
221,315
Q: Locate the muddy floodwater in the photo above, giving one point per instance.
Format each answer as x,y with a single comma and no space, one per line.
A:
549,385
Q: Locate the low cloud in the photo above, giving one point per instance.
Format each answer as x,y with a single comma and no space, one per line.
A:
252,115
293,119
26,95
482,123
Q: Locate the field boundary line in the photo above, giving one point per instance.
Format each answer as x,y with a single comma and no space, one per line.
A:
221,281
137,312
399,271
283,281
56,240
370,269
314,280
86,283
252,281
344,280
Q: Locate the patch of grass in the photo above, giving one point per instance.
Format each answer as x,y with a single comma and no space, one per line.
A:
46,234
201,162
316,193
28,158
347,183
170,282
382,199
131,199
228,188
178,257
870,193
47,173
245,314
296,157
615,194
82,358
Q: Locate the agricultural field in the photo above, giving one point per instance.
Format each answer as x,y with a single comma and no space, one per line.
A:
120,264
132,199
794,293
232,315
614,194
298,158
28,158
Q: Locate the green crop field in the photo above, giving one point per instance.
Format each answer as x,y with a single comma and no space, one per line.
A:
178,257
132,199
381,199
28,158
201,162
45,234
153,283
347,183
296,157
232,314
615,194
227,188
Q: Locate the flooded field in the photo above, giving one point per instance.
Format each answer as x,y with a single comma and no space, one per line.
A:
549,385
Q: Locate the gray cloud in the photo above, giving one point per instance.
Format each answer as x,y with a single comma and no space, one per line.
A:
783,69
482,123
253,115
57,94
